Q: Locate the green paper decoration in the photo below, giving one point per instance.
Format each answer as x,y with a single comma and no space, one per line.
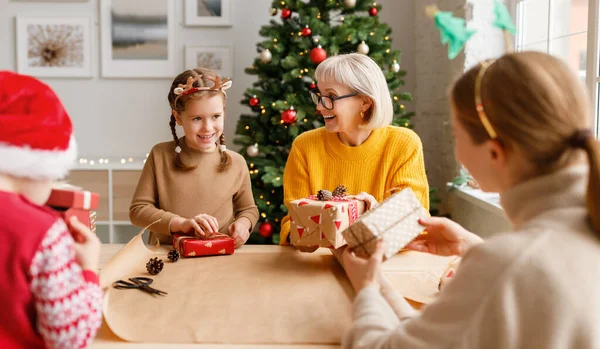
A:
453,32
503,19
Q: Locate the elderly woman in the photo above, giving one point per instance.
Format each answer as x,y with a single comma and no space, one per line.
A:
357,147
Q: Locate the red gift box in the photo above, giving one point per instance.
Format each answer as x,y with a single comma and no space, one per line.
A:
84,216
191,246
78,199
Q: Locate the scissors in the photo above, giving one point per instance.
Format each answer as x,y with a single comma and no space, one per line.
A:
140,283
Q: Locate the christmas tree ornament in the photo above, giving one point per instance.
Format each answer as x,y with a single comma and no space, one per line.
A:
266,56
318,54
154,266
324,195
265,229
363,48
254,101
289,116
252,150
306,31
453,30
340,190
373,11
395,67
273,11
173,256
312,86
350,3
286,13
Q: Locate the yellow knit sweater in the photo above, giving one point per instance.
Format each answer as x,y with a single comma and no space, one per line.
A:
392,157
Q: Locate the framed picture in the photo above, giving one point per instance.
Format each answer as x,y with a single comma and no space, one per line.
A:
217,58
138,41
54,47
209,13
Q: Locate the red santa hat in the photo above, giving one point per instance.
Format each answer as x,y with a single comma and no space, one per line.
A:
36,134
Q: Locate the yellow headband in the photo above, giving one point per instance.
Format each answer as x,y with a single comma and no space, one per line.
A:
479,103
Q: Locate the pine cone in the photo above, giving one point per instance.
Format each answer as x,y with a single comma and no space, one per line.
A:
324,195
154,266
173,256
340,190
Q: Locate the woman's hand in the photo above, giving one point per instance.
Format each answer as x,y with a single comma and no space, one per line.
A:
363,272
444,238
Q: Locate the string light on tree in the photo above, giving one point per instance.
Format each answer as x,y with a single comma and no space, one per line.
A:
266,56
363,48
318,54
254,101
289,116
273,11
350,3
395,66
252,150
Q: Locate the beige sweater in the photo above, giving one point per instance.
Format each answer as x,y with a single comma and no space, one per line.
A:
164,192
537,287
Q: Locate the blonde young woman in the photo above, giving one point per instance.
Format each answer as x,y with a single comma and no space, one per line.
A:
357,147
527,135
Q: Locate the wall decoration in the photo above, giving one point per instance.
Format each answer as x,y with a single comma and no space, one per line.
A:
217,58
54,47
138,41
209,13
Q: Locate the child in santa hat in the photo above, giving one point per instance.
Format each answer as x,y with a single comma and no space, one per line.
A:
49,292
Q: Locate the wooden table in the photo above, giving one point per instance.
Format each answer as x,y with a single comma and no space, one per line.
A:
106,339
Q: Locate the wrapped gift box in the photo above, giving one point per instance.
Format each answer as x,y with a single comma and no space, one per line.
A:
395,221
78,199
82,215
320,223
191,246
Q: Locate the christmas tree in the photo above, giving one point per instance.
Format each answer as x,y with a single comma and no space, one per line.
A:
306,33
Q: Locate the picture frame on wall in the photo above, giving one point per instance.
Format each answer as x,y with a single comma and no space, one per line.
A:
138,41
208,13
216,58
53,46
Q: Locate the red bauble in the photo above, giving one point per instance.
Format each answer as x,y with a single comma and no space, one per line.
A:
312,86
286,13
318,54
306,31
265,229
373,11
253,101
289,116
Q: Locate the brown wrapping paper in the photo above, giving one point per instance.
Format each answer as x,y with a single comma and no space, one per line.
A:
395,221
320,223
287,297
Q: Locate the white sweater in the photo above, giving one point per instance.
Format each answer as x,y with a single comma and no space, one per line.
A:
537,287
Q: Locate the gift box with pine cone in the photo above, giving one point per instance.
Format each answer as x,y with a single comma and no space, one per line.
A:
319,219
395,221
192,246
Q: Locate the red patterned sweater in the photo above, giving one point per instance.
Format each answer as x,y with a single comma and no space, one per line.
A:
46,299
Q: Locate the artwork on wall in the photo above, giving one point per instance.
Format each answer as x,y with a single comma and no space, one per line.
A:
217,58
209,13
54,47
138,41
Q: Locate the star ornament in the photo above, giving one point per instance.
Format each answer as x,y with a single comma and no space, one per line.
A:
503,19
453,31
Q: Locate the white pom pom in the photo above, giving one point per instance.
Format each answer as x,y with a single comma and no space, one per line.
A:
178,90
222,147
178,149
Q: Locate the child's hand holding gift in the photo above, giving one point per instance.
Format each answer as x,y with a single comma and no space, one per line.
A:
239,230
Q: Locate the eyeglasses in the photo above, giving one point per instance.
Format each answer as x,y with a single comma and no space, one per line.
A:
327,101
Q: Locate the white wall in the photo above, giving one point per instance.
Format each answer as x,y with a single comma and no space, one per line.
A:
125,117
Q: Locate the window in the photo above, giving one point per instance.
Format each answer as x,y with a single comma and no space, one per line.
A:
560,28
